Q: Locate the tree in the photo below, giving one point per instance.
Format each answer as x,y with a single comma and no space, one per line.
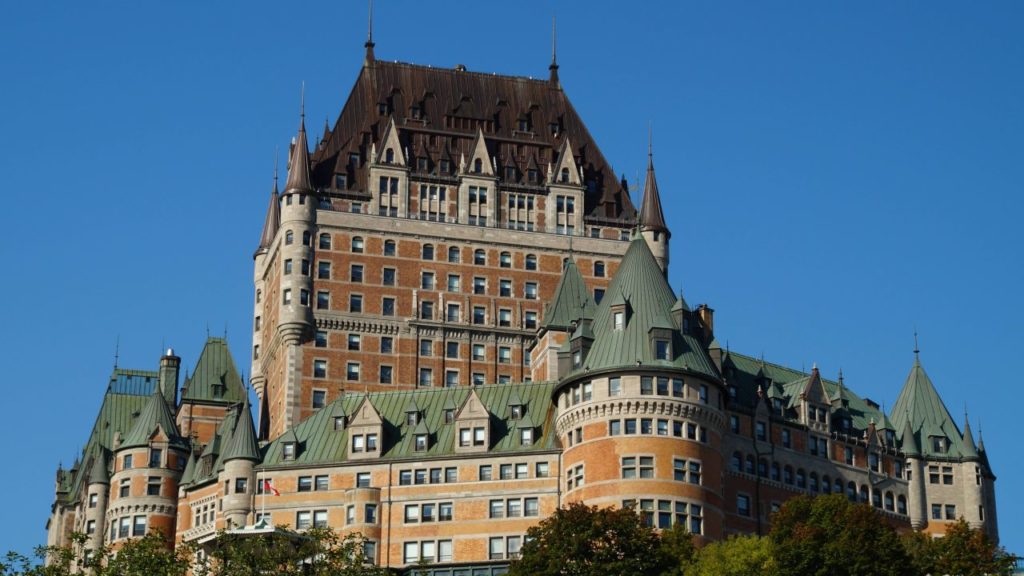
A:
677,549
963,551
735,556
587,541
827,535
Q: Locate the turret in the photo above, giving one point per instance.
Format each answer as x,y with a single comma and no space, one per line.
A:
973,491
298,223
652,219
97,495
917,501
169,366
240,455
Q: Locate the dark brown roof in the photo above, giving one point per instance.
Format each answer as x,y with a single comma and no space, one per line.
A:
438,112
651,215
298,164
273,220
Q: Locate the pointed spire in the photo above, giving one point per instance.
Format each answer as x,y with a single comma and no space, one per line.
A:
156,414
242,443
917,349
369,58
98,474
553,68
273,220
651,215
970,450
298,163
908,442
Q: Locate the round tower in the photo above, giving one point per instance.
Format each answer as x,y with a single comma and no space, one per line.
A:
241,454
916,498
295,262
147,468
652,220
97,494
972,480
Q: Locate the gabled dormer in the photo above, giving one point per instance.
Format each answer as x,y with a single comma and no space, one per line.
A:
290,446
566,172
365,431
516,407
526,430
473,425
389,175
421,440
564,207
390,152
815,403
480,163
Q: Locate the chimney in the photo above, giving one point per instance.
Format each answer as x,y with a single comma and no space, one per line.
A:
169,365
707,321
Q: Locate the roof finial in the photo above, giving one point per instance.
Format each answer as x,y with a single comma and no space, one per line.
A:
302,102
117,350
917,350
369,36
276,150
554,58
650,142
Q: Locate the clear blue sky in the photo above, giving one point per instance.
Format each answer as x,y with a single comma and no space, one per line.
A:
835,173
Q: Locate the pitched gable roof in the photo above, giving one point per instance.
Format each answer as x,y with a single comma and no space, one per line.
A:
155,416
215,371
920,405
571,302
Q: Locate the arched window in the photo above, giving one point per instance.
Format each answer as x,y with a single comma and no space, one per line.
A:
851,491
876,498
863,493
776,474
453,254
531,262
565,175
478,166
389,247
750,465
736,462
289,238
428,252
307,238
389,156
837,487
801,478
505,260
599,269
480,257
889,504
901,504
357,244
762,468
787,475
813,484
325,241
826,484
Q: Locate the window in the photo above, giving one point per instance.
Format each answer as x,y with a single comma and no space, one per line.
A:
323,300
599,269
427,281
479,315
386,373
530,262
289,236
504,317
323,271
153,486
320,518
155,457
478,352
426,377
305,484
319,398
848,455
325,242
363,480
352,371
618,320
947,475
387,306
743,505
504,355
355,303
319,368
426,347
787,439
139,526
761,430
287,266
505,288
479,257
303,520
505,260
93,500
453,254
478,379
451,378
386,344
388,277
936,511
530,291
637,467
288,451
426,310
428,252
389,247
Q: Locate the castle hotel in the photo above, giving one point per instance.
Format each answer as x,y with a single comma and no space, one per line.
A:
461,322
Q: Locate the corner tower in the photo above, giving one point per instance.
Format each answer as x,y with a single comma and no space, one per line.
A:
652,219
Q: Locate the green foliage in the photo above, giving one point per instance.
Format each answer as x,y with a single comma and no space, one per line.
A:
678,550
827,535
735,556
963,551
587,541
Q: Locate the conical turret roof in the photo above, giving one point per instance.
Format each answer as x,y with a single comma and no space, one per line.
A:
298,164
908,443
272,221
98,473
970,451
571,302
920,406
155,414
242,443
651,215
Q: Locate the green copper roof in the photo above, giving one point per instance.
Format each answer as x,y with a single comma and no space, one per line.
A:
241,444
920,405
155,414
215,379
571,302
909,443
970,451
640,286
188,475
98,473
320,443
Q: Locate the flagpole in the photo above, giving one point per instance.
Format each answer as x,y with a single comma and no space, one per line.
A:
263,497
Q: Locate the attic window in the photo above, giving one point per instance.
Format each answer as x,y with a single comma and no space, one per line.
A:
339,422
939,444
416,113
421,443
444,166
218,390
619,320
353,159
523,125
526,436
564,176
421,164
382,108
510,172
340,182
478,166
553,126
515,412
449,416
389,156
662,349
288,451
412,418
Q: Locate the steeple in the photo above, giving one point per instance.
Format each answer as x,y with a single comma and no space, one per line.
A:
369,58
242,443
651,215
298,160
273,220
553,68
970,451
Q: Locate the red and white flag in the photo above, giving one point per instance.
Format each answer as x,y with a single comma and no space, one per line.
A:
268,487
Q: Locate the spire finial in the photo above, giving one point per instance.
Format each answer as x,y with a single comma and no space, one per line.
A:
650,142
302,102
554,54
369,36
917,349
276,151
117,350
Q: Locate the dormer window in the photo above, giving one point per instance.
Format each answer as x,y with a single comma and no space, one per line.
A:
444,167
421,164
532,176
939,444
890,438
662,349
515,412
288,451
412,418
526,437
339,422
510,173
619,320
389,156
478,166
564,176
420,442
523,125
577,358
416,112
449,415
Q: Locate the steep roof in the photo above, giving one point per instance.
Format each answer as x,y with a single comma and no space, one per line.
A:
320,443
273,219
571,302
215,378
651,215
920,405
156,414
444,108
241,444
298,163
640,285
